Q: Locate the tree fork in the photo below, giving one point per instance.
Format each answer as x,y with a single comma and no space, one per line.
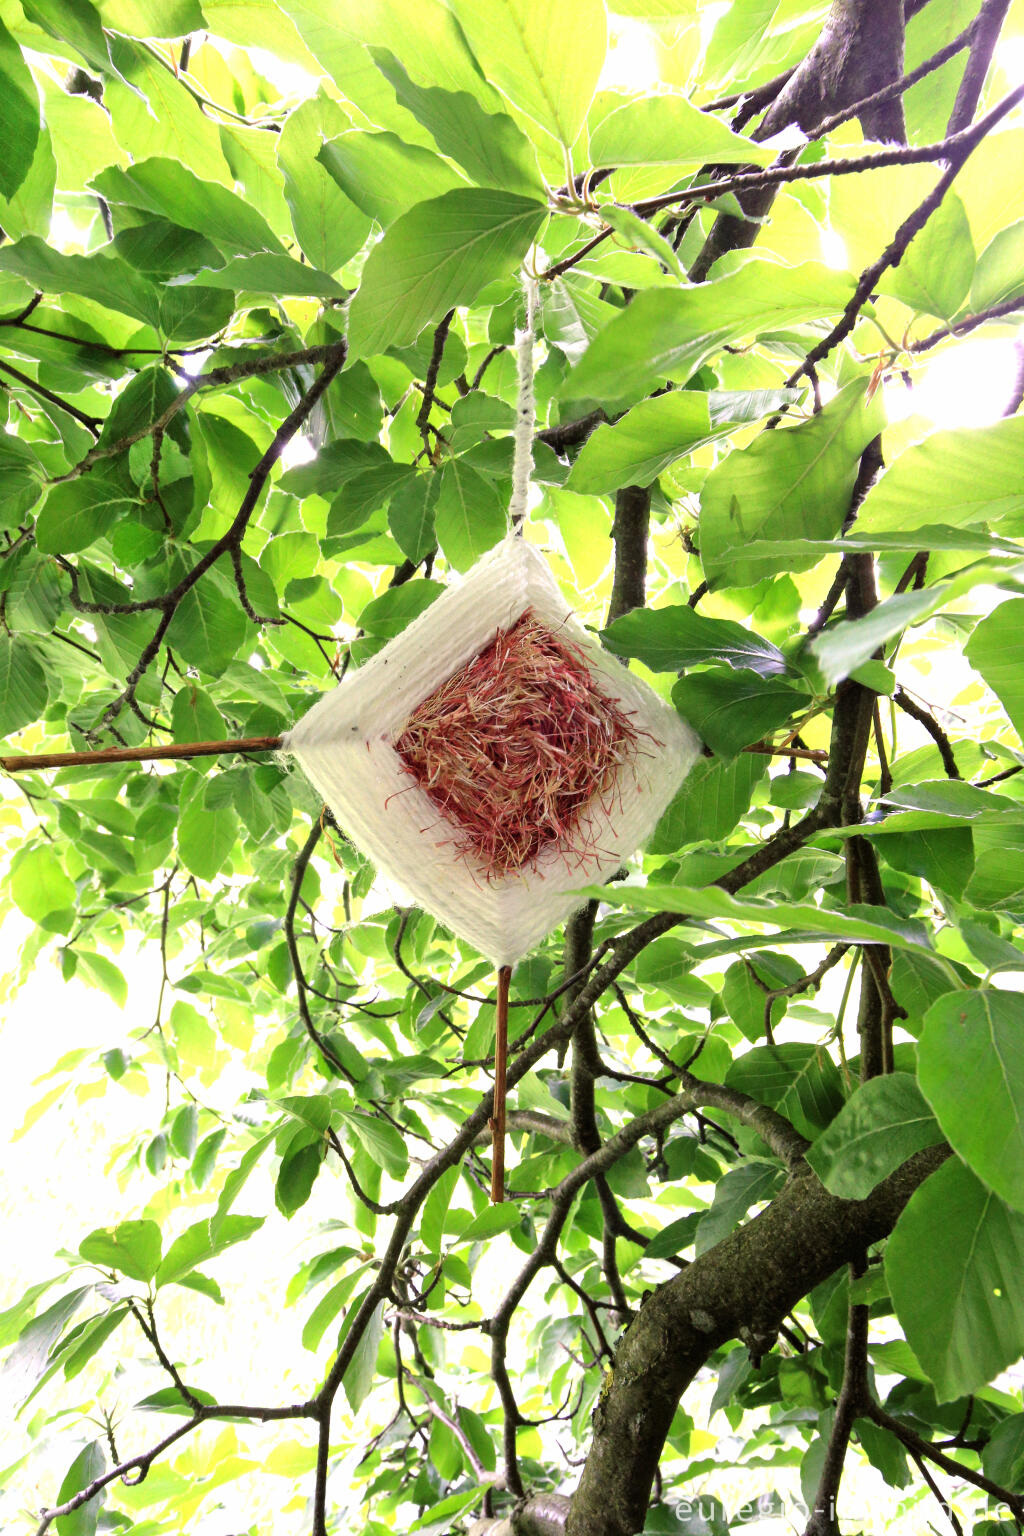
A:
743,1287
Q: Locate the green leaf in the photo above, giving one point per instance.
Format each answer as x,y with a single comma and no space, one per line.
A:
709,802
846,646
675,1237
296,1177
439,254
382,1141
27,1362
973,475
21,480
358,1378
270,273
489,146
668,333
944,857
469,514
858,923
328,225
934,273
996,650
19,115
387,615
795,481
23,684
765,557
184,1131
366,494
193,1037
384,176
205,837
1002,1459
106,279
143,400
235,1182
327,1309
735,1193
195,717
645,441
885,1122
975,1040
801,1081
491,1220
12,1318
673,638
670,130
665,964
411,516
79,512
101,972
133,1248
745,1000
438,1518
999,274
90,1340
206,1156
153,18
171,191
436,1209
38,884
522,48
209,625
89,1464
71,21
637,235
729,710
198,1244
422,33
963,1312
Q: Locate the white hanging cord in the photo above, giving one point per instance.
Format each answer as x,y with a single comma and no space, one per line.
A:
526,421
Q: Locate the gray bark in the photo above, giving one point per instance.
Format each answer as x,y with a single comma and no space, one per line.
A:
860,51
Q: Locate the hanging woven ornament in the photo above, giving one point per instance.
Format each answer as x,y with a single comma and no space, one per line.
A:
492,759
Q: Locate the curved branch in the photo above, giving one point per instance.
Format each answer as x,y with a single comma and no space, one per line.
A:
214,378
743,1287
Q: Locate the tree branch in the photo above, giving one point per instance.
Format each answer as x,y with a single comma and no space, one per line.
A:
985,34
215,378
902,700
746,1284
959,149
851,1403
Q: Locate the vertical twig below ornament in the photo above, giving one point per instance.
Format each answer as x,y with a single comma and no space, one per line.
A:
500,1067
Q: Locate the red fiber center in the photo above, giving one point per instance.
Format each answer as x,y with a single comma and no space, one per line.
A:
515,746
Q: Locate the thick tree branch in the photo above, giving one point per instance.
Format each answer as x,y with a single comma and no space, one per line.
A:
859,53
744,1286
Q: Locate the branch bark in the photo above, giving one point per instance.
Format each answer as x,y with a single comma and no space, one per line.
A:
859,53
742,1287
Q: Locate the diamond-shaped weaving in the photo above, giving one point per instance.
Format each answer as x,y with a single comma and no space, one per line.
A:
493,758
